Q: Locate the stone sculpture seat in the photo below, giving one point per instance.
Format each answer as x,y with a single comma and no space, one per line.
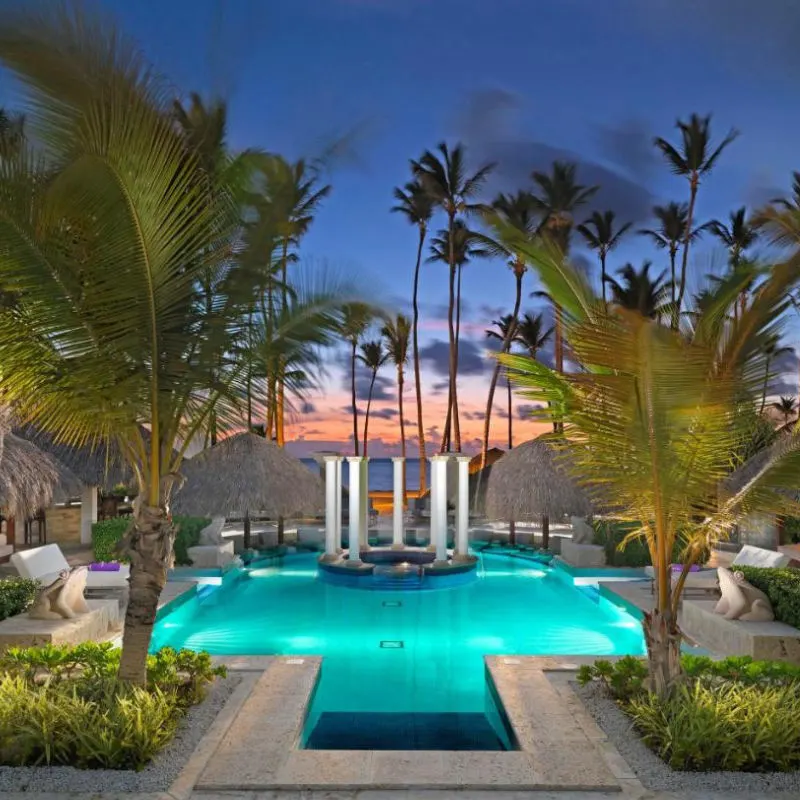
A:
213,550
63,597
579,551
741,600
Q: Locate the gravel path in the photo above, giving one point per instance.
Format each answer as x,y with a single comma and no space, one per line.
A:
655,774
155,777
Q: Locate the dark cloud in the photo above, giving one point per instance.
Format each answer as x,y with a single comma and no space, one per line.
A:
383,413
629,145
477,416
525,410
485,126
307,407
440,388
381,390
471,360
500,412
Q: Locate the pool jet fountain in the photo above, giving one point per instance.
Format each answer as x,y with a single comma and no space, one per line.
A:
396,566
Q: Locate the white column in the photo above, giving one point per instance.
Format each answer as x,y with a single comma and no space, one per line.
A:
354,488
462,507
338,537
434,503
398,464
439,506
88,512
364,519
330,507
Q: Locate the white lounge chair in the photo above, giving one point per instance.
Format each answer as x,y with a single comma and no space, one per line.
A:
45,563
6,549
748,556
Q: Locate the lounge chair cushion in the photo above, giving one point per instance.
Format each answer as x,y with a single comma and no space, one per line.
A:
43,564
750,556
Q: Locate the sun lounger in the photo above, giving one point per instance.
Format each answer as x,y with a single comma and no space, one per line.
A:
44,564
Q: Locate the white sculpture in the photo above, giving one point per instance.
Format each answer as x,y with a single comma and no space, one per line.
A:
741,600
582,531
63,598
212,534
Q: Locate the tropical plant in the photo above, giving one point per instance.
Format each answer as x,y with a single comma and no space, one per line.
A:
599,233
373,357
12,133
693,159
396,332
781,218
519,211
738,236
504,330
559,196
531,334
786,407
417,207
651,420
772,351
457,245
356,318
638,291
445,179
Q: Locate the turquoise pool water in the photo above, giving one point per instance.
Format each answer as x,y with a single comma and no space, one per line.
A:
410,651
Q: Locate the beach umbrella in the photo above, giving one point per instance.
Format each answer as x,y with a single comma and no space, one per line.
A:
31,479
530,483
247,473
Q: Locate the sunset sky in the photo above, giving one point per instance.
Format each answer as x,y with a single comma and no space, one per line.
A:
519,82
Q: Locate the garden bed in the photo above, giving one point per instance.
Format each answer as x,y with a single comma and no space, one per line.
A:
702,744
157,776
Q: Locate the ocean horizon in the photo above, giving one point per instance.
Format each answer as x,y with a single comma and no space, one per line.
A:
381,473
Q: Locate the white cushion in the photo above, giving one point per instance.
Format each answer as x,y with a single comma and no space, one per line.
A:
40,562
3,540
750,556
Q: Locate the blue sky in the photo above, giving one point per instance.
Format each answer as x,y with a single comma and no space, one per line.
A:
520,81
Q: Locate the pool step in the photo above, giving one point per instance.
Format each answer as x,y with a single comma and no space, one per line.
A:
338,730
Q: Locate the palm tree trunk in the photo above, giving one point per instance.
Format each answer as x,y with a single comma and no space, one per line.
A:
506,346
150,551
603,276
663,639
456,420
558,338
353,395
366,416
766,386
676,311
280,411
545,532
452,337
423,465
672,254
400,382
510,417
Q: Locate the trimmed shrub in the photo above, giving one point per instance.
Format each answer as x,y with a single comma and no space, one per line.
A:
781,586
64,705
16,595
611,532
106,535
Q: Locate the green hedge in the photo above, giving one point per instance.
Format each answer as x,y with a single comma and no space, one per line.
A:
610,532
107,533
16,595
782,586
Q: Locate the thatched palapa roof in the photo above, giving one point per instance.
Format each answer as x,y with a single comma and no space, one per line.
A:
30,479
528,482
246,473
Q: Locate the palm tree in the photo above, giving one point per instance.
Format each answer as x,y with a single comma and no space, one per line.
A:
12,133
651,423
638,291
786,407
780,219
356,318
671,233
417,207
504,330
692,159
396,332
738,236
457,248
373,357
772,351
531,334
295,195
517,211
598,231
558,199
107,341
444,178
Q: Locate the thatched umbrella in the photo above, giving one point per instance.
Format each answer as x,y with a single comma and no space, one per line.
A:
528,483
247,473
30,478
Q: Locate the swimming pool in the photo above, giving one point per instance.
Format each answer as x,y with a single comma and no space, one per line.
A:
403,651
